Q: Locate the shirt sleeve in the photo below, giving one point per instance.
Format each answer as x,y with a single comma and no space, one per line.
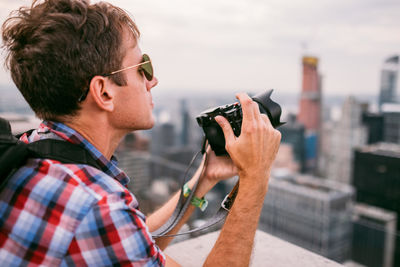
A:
113,234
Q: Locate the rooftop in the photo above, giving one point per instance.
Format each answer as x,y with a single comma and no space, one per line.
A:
268,251
382,149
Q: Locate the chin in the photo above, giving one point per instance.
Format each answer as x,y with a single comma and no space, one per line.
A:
149,124
148,127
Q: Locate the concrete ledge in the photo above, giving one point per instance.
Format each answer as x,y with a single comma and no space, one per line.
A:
268,251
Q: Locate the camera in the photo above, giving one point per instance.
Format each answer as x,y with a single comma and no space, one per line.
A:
233,113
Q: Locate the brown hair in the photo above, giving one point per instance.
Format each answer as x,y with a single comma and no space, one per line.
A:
55,47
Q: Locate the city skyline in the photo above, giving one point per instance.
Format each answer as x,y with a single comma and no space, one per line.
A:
251,46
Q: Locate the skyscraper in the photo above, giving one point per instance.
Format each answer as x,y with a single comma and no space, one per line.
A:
310,212
310,109
377,181
185,133
391,126
389,74
293,134
310,102
374,124
373,236
340,139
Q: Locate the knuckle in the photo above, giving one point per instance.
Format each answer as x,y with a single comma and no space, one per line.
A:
246,130
247,101
278,135
264,117
251,128
265,127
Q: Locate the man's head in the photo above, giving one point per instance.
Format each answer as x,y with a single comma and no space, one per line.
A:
55,48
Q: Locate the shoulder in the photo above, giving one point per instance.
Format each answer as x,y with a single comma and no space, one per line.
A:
54,204
70,189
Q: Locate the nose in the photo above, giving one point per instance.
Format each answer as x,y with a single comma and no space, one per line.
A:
152,83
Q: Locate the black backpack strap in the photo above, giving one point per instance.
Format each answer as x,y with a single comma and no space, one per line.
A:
5,130
14,153
63,151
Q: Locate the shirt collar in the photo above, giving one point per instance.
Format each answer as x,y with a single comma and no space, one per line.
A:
58,130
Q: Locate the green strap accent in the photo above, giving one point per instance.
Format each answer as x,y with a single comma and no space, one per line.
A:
186,190
201,203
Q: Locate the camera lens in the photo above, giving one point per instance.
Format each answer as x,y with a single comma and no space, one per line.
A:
233,113
269,107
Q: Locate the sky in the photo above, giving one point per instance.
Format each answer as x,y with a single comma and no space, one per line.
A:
251,45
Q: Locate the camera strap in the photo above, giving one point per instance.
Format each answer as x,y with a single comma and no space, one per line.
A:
219,216
184,202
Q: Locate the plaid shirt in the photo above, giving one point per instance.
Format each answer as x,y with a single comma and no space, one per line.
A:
72,214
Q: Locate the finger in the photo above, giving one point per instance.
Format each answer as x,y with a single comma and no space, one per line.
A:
265,118
247,107
226,128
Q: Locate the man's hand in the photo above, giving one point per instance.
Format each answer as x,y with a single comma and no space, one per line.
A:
217,168
255,149
253,153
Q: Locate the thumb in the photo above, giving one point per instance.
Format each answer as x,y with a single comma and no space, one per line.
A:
226,128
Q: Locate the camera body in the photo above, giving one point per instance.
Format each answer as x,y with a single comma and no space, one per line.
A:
233,113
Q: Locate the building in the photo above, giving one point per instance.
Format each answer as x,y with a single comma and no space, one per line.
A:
374,236
310,101
285,159
136,164
374,124
186,124
163,137
310,109
310,212
391,124
389,77
376,178
293,134
340,139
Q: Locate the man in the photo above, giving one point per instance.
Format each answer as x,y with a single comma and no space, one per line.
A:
80,68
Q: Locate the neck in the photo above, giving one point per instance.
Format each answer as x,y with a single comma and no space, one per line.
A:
98,133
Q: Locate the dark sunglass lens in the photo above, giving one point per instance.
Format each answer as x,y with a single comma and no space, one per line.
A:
147,68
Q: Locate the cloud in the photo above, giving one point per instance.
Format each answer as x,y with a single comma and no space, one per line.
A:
212,44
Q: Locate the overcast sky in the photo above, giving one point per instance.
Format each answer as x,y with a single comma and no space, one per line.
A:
249,45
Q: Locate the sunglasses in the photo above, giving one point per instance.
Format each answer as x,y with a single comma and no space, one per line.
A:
145,66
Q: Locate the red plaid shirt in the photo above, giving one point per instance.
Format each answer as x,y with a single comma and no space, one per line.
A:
72,214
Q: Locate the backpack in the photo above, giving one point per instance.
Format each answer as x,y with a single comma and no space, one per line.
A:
14,153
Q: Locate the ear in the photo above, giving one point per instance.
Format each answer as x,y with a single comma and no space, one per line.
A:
102,92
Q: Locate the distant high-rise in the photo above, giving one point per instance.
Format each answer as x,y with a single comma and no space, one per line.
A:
310,212
377,180
373,236
339,140
185,133
163,138
310,101
389,76
391,126
293,134
310,109
374,123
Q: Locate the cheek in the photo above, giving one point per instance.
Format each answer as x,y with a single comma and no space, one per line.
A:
135,106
